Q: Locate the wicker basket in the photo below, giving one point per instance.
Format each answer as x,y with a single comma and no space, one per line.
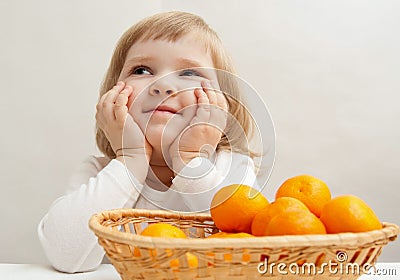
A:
298,257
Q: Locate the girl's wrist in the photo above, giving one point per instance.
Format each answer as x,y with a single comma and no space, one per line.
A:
130,152
183,157
137,164
181,160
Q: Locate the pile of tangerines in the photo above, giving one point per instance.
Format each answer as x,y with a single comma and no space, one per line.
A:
303,205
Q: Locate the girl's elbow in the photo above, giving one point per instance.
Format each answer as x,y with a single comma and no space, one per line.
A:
60,258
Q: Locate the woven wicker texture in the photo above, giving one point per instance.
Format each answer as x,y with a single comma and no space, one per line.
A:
300,256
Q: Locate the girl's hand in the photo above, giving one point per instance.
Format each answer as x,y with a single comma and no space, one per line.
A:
205,130
123,133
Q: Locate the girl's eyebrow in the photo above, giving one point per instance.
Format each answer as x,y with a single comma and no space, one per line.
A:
188,63
181,62
140,59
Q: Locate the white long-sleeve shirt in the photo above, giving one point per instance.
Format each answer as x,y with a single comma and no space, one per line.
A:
101,184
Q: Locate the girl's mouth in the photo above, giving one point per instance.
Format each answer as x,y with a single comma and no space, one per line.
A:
163,109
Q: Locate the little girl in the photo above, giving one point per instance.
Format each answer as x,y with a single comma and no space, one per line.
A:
173,130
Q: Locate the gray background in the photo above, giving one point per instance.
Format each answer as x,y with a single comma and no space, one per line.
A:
328,71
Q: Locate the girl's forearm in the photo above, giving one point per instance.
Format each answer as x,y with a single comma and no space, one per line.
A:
64,233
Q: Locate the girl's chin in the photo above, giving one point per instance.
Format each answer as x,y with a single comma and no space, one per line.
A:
158,139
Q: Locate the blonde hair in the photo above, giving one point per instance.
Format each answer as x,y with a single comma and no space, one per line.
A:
172,26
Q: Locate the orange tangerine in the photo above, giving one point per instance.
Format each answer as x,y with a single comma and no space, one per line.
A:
234,207
313,192
295,222
163,230
349,213
280,205
167,231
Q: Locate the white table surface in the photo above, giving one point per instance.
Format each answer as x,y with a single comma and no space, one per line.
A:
107,272
44,272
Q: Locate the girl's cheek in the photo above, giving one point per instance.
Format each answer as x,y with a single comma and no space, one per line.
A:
130,100
135,93
134,106
192,99
189,104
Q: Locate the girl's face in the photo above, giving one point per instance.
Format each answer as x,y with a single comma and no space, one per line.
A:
164,75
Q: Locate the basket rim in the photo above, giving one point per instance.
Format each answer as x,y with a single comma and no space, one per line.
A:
388,233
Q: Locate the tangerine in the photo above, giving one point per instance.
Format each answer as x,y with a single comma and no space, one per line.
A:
163,230
349,213
167,231
280,205
295,222
234,207
313,192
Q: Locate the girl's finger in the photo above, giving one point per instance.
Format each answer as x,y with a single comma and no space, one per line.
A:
109,102
106,107
209,90
218,118
212,96
219,110
99,119
121,108
113,93
122,98
203,107
102,98
221,100
120,113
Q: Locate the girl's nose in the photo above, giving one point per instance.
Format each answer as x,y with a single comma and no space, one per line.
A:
157,91
162,86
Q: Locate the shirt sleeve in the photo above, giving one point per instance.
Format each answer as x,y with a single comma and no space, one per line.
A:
64,233
201,178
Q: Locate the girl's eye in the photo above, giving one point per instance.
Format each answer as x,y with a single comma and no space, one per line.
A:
190,72
141,70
